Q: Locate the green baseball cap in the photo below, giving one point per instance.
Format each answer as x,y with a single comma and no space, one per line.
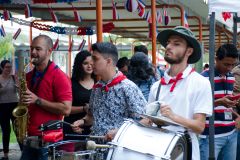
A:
188,35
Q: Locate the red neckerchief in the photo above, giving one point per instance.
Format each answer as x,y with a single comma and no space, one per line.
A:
115,81
174,80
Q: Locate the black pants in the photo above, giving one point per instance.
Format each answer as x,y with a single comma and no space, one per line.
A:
5,117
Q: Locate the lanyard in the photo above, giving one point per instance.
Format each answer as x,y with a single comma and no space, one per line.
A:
35,84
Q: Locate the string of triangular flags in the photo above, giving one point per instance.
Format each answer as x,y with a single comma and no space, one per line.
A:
57,29
3,33
28,13
80,48
140,7
36,1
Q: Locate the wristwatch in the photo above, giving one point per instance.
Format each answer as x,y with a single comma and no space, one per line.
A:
38,102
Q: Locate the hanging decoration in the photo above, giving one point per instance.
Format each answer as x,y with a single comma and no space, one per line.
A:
2,31
36,1
6,15
159,17
166,17
141,8
64,30
56,44
108,27
77,17
114,10
53,15
131,5
82,44
186,19
226,15
17,33
27,11
54,1
148,17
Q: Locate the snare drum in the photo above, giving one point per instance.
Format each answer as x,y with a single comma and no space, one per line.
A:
71,150
136,142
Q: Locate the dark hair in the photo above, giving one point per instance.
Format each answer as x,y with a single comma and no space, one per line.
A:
141,48
140,68
227,50
4,62
107,49
78,72
48,40
122,62
206,66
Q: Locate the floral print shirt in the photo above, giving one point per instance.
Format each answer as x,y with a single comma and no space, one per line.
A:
123,100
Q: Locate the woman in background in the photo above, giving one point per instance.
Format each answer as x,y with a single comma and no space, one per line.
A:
82,83
8,101
141,73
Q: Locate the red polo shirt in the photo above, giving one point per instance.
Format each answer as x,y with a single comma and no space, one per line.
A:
55,86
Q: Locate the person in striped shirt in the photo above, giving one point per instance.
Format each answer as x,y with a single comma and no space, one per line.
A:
225,133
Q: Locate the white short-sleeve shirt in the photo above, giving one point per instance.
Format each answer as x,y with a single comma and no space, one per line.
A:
191,95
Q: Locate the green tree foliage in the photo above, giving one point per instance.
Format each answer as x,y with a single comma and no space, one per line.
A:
6,46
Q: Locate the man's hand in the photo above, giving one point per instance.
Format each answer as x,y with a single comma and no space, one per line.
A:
167,112
146,121
76,126
28,97
111,134
226,101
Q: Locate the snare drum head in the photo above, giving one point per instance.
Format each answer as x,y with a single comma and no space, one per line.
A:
134,141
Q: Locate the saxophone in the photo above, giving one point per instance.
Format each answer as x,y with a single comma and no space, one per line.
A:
21,112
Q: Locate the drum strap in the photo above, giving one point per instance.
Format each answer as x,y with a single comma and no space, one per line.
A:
189,144
158,91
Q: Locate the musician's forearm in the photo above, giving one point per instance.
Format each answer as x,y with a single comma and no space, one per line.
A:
197,124
63,108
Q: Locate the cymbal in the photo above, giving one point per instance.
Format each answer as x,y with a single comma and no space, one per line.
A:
161,120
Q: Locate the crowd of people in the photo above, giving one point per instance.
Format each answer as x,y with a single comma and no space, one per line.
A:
105,89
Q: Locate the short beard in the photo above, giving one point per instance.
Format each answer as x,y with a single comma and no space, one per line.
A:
174,61
178,60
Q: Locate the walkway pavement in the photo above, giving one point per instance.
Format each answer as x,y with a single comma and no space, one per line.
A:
14,151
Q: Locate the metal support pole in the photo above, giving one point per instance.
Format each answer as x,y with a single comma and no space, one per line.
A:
99,20
153,4
235,29
211,78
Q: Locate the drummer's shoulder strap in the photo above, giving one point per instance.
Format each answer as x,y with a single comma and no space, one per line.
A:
158,91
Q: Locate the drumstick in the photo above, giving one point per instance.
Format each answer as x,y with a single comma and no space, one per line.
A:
91,145
85,136
66,123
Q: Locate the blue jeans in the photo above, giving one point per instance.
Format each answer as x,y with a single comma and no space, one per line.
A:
30,153
227,145
238,146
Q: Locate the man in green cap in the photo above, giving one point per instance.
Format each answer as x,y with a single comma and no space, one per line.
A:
184,94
